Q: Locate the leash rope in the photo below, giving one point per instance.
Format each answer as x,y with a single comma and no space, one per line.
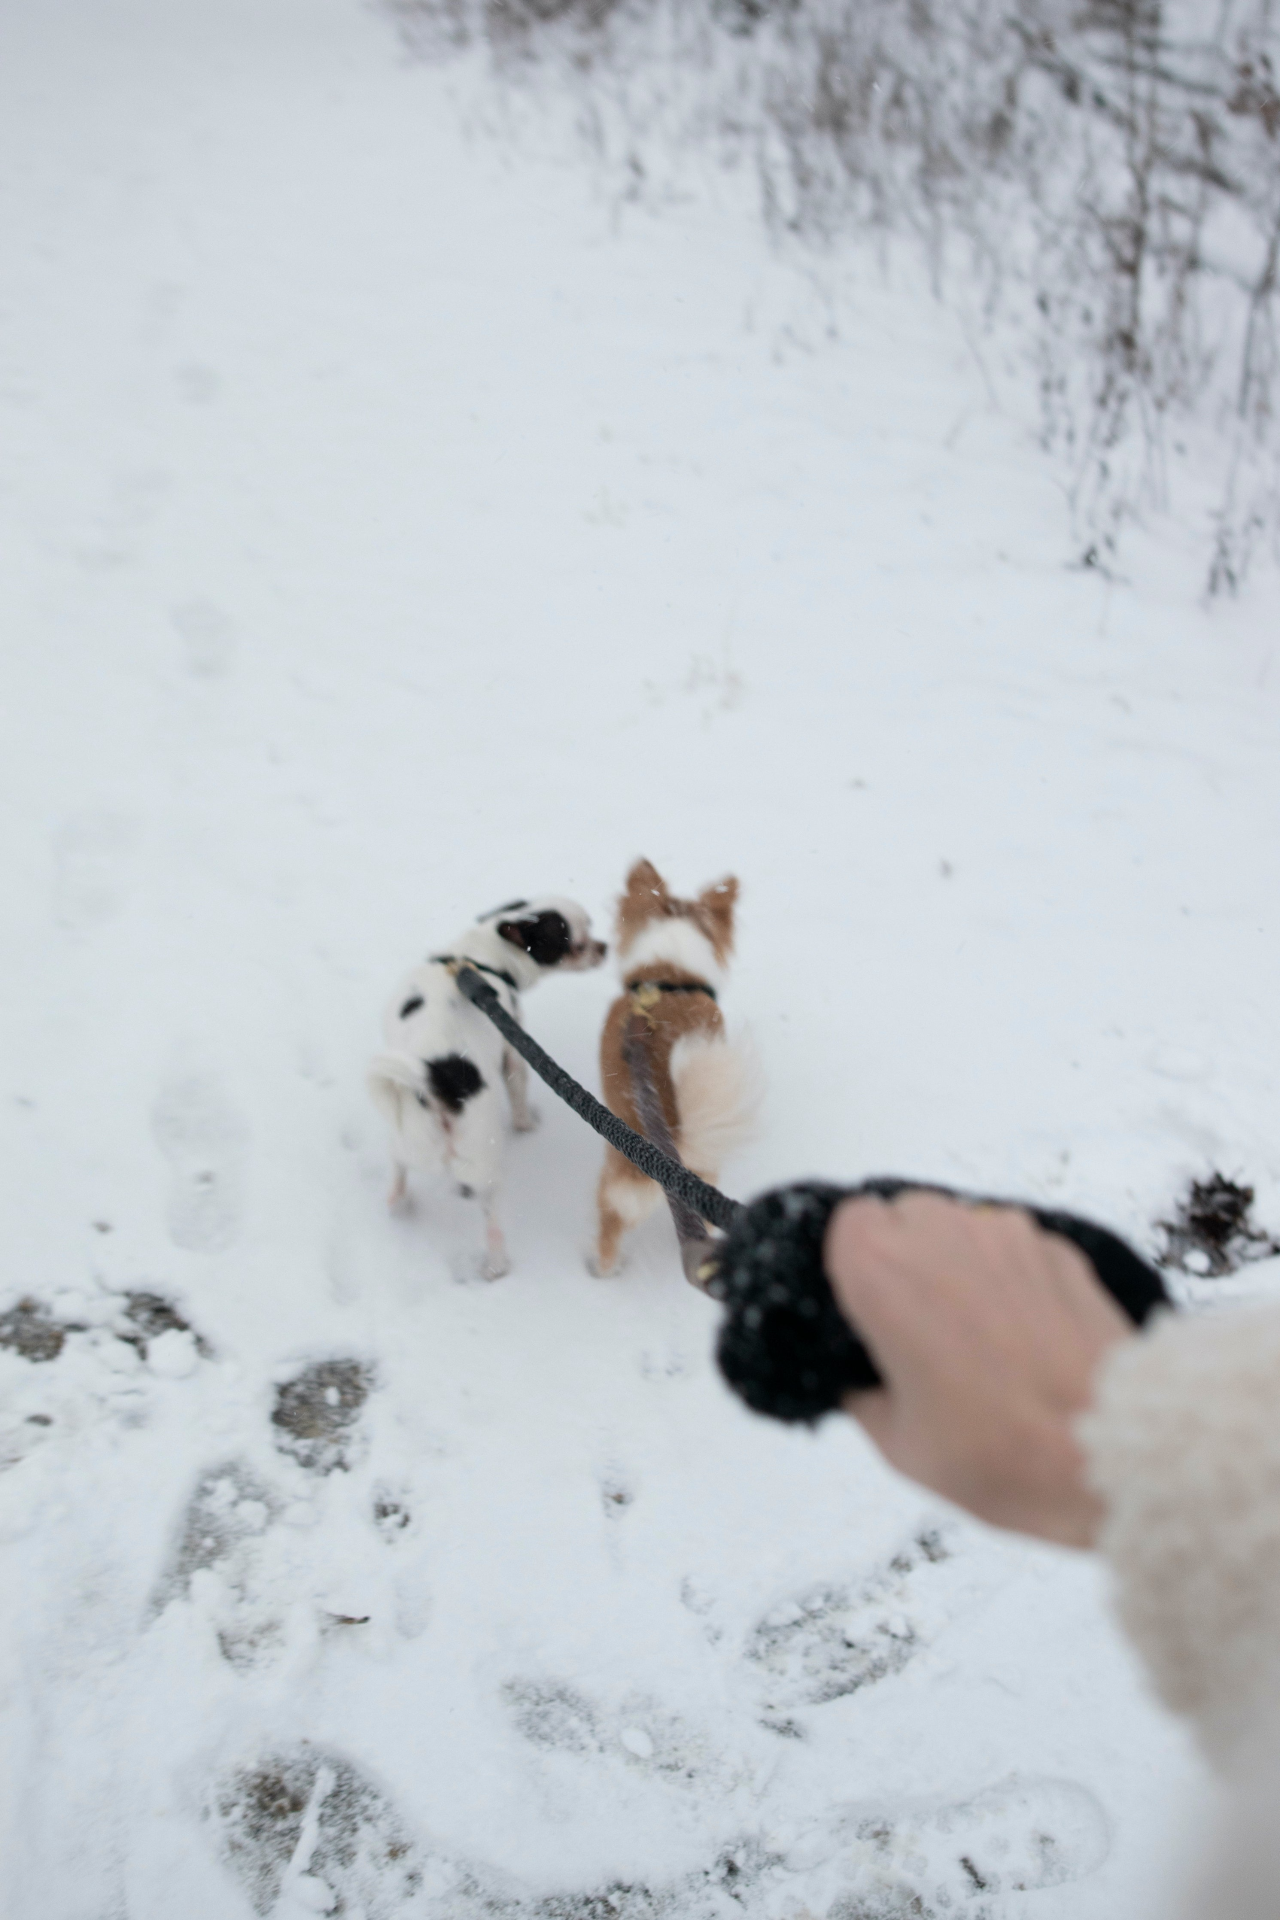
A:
675,1179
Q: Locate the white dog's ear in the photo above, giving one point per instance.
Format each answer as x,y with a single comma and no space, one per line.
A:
545,937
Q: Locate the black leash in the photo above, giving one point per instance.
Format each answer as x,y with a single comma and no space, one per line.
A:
676,1180
784,1346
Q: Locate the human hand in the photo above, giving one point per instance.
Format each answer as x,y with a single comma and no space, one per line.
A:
988,1332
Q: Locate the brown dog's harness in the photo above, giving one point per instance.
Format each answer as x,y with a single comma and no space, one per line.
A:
647,993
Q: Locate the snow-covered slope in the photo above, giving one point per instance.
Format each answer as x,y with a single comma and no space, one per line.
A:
390,530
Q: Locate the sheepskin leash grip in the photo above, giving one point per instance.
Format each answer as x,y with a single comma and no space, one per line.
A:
784,1346
705,1200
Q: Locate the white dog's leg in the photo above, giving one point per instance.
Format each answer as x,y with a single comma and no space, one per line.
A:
476,1165
496,1260
516,1075
399,1186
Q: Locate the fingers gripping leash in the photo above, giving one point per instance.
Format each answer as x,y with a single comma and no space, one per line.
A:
784,1346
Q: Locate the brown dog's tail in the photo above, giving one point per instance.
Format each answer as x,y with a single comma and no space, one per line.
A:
717,1085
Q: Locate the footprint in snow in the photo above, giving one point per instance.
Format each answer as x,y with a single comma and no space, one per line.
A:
305,1831
639,1733
198,383
835,1639
391,1514
208,637
229,1507
216,1563
89,853
203,1139
1020,1836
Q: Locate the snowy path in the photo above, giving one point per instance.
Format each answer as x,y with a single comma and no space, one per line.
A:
387,535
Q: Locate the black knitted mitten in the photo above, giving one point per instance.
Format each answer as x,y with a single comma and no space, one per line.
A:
785,1347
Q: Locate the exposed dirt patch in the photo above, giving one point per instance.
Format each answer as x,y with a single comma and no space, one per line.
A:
148,1315
360,1861
618,1902
314,1413
1211,1232
30,1329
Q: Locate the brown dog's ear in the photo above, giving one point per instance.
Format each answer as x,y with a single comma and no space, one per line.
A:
714,909
645,884
643,898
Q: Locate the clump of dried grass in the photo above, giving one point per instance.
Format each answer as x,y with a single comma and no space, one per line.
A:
1106,173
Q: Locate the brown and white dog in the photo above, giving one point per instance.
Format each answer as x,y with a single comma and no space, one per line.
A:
672,955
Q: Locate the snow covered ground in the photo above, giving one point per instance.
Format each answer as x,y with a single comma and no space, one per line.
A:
391,529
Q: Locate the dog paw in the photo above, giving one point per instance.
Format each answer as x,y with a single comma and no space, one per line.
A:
528,1121
315,1412
835,1639
203,1138
494,1266
597,1269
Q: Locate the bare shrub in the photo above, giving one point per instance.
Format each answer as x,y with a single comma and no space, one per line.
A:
1105,174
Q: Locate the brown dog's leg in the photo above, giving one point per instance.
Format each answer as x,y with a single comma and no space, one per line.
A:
610,1228
624,1198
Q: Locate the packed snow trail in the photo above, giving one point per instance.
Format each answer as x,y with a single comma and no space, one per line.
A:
393,527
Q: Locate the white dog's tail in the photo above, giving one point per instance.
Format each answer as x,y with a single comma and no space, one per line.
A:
393,1079
718,1088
